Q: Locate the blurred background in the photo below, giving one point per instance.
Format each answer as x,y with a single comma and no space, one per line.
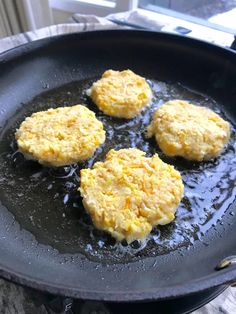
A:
26,15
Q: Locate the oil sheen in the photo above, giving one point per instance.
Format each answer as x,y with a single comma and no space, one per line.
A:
45,201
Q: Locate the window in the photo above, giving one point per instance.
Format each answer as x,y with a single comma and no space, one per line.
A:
210,20
97,7
220,13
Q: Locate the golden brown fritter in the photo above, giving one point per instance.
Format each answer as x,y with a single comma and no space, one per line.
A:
193,132
128,193
61,136
121,94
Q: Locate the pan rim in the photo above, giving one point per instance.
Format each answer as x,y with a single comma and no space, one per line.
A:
34,44
159,294
211,281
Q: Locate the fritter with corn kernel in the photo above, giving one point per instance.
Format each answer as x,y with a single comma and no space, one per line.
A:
190,131
61,136
128,193
121,94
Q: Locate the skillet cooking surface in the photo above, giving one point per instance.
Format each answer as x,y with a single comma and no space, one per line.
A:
37,195
46,236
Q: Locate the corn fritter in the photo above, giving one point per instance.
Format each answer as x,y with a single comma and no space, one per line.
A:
128,193
61,136
121,94
190,131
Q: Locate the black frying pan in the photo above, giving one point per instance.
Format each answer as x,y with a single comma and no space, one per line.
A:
46,239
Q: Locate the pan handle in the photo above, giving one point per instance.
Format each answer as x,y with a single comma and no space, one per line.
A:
233,45
226,262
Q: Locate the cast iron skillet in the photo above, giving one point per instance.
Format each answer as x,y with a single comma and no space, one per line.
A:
46,240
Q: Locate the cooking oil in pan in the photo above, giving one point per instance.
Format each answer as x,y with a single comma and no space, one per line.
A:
45,201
